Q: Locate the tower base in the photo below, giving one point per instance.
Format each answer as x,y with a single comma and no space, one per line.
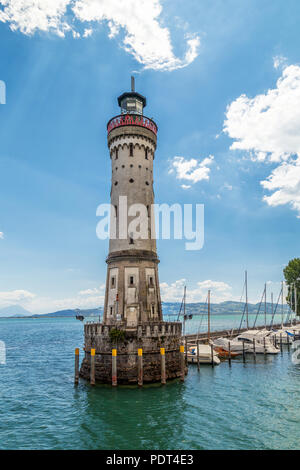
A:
150,337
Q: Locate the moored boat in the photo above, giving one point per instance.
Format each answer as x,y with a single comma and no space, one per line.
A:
205,355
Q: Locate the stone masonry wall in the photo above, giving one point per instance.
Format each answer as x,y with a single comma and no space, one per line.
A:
150,337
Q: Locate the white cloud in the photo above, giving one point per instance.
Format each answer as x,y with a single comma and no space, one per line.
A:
186,186
220,291
89,298
87,32
19,296
144,35
1,235
95,291
227,186
267,128
29,16
284,181
279,61
191,170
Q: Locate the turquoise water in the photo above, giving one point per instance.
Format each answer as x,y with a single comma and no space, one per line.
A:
247,406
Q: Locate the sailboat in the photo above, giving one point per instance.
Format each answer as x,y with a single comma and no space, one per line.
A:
250,341
207,355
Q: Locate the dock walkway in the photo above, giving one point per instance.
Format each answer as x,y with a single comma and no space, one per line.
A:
203,337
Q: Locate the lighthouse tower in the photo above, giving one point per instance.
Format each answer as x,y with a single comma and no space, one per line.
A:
132,344
132,287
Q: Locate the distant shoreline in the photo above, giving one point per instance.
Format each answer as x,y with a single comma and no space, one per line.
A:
45,316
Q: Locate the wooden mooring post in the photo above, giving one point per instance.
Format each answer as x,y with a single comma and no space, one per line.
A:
254,349
229,353
244,355
182,363
212,355
140,367
76,366
92,371
265,351
163,366
198,358
114,379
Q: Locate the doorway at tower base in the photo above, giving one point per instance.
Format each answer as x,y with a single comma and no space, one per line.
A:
149,337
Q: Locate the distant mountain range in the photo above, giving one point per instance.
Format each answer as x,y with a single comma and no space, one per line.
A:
229,307
14,311
169,308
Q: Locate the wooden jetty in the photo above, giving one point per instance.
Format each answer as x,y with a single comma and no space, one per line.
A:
204,337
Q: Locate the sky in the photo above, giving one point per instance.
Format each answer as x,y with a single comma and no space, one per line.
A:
222,81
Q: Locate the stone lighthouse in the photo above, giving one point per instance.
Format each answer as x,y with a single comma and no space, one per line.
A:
133,335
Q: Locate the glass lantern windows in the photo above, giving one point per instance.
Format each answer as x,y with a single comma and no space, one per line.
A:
131,106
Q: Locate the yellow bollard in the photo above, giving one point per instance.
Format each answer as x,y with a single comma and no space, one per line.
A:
182,361
114,380
140,367
163,366
92,376
76,366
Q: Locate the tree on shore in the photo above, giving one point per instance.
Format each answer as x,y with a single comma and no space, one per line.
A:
292,278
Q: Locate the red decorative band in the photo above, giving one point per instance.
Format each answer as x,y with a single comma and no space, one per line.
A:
131,120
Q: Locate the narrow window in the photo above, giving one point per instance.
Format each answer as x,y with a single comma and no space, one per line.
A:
146,154
117,153
153,310
113,282
131,280
116,211
131,150
111,310
151,281
131,241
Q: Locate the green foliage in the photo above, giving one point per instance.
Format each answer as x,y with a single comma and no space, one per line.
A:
116,335
292,278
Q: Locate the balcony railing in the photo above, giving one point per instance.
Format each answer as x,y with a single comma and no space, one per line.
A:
131,120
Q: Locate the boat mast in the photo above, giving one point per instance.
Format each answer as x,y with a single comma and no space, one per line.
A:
208,316
281,304
272,306
247,313
265,305
184,296
296,302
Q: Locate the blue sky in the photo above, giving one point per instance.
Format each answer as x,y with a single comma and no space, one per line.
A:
222,79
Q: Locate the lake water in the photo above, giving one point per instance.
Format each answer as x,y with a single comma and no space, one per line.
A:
246,406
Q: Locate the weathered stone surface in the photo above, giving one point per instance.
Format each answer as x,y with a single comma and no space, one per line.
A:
150,337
